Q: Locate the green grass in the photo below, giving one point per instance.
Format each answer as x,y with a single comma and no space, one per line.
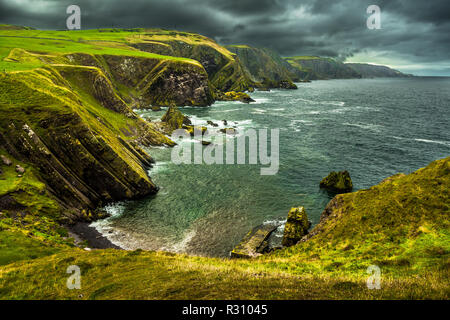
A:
65,42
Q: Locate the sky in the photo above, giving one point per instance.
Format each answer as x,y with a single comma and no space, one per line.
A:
414,36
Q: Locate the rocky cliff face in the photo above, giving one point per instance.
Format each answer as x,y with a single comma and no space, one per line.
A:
69,124
149,81
316,68
264,67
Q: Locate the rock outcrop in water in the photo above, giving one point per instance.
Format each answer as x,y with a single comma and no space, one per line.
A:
254,243
174,119
235,96
338,182
296,227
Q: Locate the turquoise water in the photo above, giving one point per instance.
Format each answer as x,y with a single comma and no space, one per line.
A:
373,128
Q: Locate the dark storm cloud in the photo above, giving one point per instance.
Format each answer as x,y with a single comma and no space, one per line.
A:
414,34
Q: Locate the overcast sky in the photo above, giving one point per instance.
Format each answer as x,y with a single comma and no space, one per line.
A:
414,35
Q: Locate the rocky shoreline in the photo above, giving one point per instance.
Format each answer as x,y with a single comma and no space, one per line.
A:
83,232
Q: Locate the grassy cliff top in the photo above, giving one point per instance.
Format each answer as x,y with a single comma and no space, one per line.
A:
98,41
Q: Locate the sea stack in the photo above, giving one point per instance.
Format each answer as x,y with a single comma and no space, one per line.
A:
296,227
337,182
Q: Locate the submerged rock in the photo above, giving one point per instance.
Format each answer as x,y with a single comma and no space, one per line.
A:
212,123
231,131
296,227
254,243
338,182
156,108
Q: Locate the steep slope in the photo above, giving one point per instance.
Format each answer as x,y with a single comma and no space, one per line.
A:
68,123
317,68
265,67
376,71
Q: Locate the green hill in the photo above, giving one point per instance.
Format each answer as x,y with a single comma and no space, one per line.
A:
317,68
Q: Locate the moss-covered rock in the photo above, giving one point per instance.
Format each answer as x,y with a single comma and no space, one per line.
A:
338,182
235,96
193,129
296,227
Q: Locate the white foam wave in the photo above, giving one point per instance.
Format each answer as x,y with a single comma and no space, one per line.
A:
365,126
445,143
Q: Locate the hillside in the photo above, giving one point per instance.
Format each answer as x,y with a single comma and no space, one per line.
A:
317,68
375,71
264,67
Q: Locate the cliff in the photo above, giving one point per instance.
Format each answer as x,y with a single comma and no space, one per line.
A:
79,136
400,226
317,68
224,72
376,71
264,67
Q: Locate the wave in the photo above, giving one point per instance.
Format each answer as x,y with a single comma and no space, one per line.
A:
258,111
159,166
181,246
365,126
445,143
260,100
230,110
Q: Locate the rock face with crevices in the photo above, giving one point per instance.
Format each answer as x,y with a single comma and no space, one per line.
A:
82,139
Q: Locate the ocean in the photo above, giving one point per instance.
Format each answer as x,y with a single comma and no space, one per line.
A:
373,128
